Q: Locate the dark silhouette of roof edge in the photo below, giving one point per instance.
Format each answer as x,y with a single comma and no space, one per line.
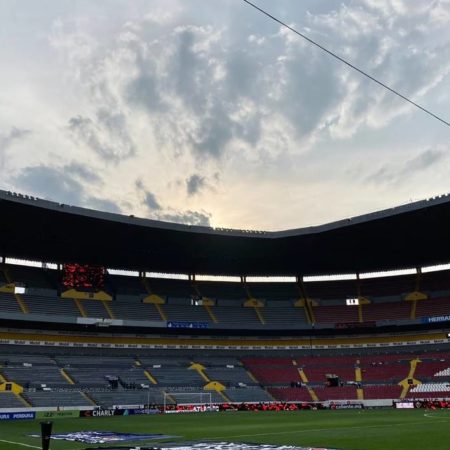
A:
151,223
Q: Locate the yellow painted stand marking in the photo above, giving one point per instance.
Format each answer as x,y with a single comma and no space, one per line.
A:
211,314
66,376
80,307
404,383
161,312
260,315
150,377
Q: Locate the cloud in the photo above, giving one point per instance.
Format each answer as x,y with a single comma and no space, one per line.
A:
103,205
107,135
187,217
60,184
50,183
194,184
396,174
8,139
83,172
151,202
425,160
208,90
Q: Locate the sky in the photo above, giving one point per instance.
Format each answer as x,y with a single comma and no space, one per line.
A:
206,112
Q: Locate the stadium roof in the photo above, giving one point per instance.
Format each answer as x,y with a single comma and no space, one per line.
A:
412,235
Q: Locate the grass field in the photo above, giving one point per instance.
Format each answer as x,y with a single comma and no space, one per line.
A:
366,430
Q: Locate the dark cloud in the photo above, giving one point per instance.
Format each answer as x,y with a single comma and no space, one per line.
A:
214,133
107,136
188,70
139,184
194,184
143,91
151,202
187,217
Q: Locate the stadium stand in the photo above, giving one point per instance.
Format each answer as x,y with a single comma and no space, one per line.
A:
336,314
9,400
296,325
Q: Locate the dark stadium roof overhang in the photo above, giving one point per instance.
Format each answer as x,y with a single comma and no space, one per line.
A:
413,235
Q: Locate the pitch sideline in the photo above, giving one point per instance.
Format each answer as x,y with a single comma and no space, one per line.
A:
19,443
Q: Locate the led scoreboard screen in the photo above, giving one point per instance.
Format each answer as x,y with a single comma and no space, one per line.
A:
83,276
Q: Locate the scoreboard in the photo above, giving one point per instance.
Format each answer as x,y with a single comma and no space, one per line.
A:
83,276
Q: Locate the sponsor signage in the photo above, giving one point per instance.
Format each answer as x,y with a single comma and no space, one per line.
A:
404,405
225,347
17,416
346,406
436,319
192,409
57,414
101,412
143,411
115,412
187,325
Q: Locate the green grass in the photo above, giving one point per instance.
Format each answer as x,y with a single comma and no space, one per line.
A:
366,430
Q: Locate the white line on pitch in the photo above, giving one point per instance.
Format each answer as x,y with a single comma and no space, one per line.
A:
318,429
19,443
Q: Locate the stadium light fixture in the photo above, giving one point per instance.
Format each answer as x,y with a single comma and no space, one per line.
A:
167,276
27,263
340,277
387,273
219,278
125,273
274,279
436,268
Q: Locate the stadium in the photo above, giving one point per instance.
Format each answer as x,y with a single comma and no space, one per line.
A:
220,225
105,316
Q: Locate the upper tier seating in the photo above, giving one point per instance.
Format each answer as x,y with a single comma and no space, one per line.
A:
388,286
8,303
220,291
274,291
336,314
433,307
171,288
435,282
386,311
51,305
134,309
331,289
385,294
33,277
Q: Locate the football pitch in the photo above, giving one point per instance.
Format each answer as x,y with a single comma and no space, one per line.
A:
346,429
